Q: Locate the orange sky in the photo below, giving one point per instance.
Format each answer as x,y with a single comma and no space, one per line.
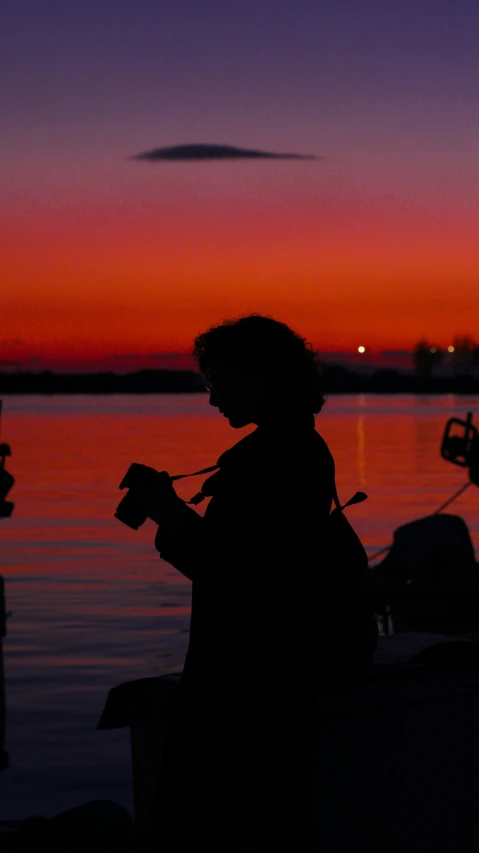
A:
91,280
374,242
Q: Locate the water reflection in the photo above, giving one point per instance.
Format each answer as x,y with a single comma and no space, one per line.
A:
93,603
361,452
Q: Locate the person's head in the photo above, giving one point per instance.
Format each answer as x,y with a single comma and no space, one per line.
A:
258,370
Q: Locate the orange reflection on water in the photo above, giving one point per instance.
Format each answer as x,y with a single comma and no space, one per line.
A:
70,453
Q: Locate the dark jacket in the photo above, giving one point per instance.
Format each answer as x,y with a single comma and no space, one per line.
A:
254,557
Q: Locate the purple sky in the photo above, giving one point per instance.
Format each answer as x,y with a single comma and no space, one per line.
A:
389,86
386,92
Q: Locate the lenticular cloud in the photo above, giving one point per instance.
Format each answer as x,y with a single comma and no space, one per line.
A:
214,152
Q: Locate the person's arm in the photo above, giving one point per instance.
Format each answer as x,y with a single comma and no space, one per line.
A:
185,545
251,525
180,537
273,516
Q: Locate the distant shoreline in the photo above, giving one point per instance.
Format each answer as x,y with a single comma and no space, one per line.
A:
337,380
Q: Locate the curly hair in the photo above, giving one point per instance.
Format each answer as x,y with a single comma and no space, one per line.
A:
260,346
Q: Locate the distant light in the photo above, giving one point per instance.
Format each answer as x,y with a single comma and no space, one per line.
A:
433,349
361,349
450,349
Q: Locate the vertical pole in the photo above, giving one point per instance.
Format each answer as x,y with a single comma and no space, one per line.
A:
4,760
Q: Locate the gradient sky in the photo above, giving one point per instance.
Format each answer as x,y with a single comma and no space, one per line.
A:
376,242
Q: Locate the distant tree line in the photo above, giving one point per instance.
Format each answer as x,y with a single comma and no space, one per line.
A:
139,382
463,356
338,379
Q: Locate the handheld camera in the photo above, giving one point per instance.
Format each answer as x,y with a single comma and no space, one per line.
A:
132,509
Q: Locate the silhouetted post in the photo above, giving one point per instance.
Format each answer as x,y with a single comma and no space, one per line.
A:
6,508
4,760
385,620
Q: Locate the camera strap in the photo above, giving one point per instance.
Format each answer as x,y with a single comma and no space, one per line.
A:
196,499
358,497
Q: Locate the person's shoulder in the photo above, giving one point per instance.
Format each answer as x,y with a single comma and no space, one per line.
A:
244,450
281,450
271,463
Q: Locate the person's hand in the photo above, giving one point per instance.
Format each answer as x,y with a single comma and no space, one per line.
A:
163,505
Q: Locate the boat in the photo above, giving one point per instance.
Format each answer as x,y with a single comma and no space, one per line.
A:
429,578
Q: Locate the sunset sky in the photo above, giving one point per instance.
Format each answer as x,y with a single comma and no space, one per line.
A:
106,258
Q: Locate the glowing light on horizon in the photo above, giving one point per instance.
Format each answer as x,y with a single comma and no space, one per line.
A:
450,349
361,349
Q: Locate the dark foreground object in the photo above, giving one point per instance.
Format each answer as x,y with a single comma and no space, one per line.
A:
4,757
396,761
429,581
99,826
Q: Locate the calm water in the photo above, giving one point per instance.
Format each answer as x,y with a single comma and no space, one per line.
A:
94,605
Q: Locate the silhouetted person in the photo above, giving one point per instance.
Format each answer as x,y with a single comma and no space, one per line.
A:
237,763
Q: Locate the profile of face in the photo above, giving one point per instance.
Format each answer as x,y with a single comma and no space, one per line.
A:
238,397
